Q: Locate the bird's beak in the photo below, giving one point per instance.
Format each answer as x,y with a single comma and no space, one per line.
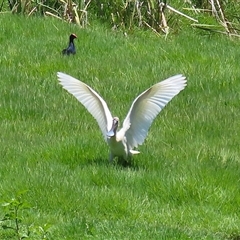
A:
112,131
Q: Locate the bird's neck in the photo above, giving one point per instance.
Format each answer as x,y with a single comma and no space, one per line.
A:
71,43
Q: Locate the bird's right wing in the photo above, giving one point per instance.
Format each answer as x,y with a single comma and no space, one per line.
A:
89,99
147,106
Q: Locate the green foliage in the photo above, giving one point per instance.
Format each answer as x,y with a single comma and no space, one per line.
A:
223,11
13,220
32,7
159,16
67,10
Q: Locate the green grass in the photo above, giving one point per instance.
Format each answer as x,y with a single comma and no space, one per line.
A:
185,182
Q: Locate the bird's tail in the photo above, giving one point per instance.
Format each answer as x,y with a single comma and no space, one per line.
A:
134,152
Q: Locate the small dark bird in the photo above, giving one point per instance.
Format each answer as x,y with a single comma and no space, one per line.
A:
71,48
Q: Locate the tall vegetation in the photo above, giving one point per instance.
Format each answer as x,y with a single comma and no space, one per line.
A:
219,16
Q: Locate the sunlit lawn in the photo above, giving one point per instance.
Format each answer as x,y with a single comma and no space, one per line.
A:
185,182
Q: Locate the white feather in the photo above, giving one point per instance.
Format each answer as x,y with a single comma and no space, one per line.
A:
147,106
143,111
90,100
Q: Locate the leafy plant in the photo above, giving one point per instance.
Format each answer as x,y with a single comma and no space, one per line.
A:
13,219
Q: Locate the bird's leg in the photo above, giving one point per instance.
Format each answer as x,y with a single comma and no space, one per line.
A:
111,157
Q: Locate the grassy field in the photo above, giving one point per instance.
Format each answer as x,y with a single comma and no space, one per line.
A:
185,184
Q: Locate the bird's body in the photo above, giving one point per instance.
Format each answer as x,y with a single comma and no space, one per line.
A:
142,112
118,145
71,47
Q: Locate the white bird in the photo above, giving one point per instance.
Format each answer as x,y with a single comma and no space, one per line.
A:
142,112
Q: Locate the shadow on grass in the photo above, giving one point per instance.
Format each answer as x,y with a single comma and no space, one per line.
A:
74,158
118,163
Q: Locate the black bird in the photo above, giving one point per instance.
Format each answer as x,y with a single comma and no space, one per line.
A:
71,48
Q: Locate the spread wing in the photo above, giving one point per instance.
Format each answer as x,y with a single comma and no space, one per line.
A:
147,106
89,99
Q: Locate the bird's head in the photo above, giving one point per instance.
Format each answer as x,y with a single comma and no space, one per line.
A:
113,130
73,36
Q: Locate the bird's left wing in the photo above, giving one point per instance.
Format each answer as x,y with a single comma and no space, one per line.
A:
90,99
147,106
